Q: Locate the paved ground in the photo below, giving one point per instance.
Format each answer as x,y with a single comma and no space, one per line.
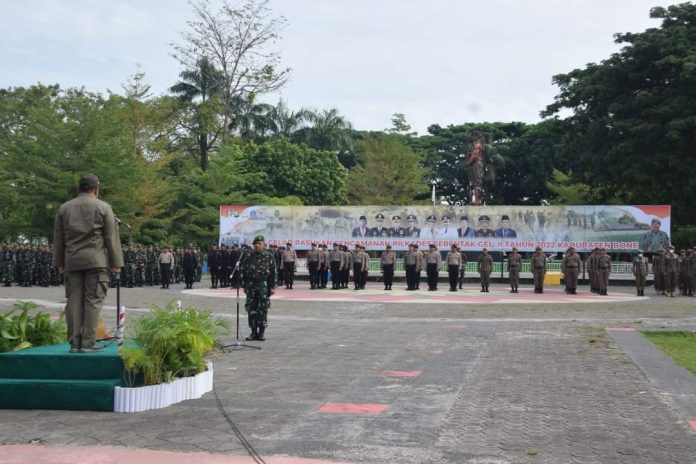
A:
399,379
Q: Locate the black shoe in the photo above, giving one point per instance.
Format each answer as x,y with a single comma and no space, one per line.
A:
253,336
483,290
512,291
91,349
260,336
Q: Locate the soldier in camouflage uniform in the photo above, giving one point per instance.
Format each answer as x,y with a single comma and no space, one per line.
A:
27,266
150,261
139,270
7,265
129,267
46,258
258,271
178,268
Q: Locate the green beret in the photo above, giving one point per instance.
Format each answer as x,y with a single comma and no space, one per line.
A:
259,238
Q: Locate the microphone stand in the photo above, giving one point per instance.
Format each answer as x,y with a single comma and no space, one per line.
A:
238,342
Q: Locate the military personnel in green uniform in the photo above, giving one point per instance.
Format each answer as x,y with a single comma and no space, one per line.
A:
7,265
538,269
514,264
258,270
570,267
655,239
484,268
640,272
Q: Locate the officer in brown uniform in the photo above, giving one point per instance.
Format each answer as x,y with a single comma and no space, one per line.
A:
360,259
454,263
346,265
538,269
386,266
336,259
485,267
640,272
324,261
462,269
514,265
86,247
570,267
432,262
682,266
592,270
410,263
692,272
313,257
658,267
289,262
671,272
603,270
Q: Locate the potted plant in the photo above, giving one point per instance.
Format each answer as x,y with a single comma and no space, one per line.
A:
166,363
19,329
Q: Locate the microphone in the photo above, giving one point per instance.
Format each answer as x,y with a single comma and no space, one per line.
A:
119,222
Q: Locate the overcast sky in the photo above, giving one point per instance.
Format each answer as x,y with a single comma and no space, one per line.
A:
436,61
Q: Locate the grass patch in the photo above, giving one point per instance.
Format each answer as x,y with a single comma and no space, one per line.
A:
681,346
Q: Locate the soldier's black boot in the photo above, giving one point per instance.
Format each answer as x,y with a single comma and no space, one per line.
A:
260,336
254,334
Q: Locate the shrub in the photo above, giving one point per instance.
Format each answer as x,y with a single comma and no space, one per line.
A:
24,330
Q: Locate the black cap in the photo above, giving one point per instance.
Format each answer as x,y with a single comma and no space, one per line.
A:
396,217
411,217
464,218
484,218
505,217
88,181
432,218
363,218
446,216
379,216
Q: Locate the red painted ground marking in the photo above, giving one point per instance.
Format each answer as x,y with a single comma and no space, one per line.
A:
369,409
692,423
401,374
620,329
454,326
113,455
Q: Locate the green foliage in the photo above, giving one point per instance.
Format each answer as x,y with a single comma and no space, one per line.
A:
171,344
681,346
632,132
389,173
684,236
24,330
566,192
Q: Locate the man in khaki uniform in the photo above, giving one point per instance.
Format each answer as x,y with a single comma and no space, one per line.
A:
87,246
671,272
539,269
485,267
288,262
603,270
513,266
454,263
411,261
432,264
313,258
570,267
640,271
691,260
386,265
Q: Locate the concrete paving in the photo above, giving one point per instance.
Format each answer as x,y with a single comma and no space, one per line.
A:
394,381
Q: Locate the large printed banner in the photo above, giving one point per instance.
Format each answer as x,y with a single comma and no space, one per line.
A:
554,228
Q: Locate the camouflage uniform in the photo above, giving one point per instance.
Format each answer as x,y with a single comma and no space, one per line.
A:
259,275
7,265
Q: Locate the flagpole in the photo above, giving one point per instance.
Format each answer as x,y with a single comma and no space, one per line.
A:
433,195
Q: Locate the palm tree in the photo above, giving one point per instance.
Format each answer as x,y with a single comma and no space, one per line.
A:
249,119
330,132
200,88
287,122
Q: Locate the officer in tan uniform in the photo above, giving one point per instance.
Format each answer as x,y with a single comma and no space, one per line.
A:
570,267
671,272
691,259
313,257
603,270
86,247
538,269
640,272
658,267
336,262
454,263
485,267
432,263
514,265
386,266
410,263
288,261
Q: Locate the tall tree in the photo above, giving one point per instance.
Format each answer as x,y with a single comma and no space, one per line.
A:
200,90
330,131
237,41
389,173
632,131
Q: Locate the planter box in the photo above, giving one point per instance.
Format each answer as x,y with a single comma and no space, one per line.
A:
165,394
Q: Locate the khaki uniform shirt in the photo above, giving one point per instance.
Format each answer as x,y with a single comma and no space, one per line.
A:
85,235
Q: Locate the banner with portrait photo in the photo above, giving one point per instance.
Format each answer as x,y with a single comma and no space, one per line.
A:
554,228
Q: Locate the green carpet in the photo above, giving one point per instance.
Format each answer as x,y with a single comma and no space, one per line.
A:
50,377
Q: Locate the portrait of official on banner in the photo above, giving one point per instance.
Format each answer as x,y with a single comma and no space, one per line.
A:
554,228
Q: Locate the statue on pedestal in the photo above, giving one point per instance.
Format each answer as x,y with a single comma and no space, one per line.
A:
475,168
